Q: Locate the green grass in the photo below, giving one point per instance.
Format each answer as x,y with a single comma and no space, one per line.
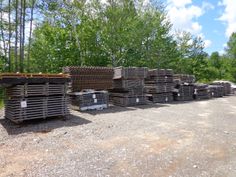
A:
1,104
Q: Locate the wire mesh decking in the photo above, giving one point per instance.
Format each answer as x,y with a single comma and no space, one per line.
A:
97,78
89,100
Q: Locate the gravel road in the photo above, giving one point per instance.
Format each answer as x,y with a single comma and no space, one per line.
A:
179,139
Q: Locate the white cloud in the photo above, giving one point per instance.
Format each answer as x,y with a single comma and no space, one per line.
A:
228,16
207,43
179,3
184,15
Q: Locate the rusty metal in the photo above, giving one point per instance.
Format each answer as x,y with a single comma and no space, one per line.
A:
97,78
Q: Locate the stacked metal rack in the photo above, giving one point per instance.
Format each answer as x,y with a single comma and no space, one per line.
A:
216,91
35,96
184,88
201,91
88,85
97,78
226,86
89,100
159,85
128,86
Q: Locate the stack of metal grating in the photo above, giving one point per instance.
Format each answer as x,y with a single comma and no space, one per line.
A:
159,85
201,91
226,86
184,88
35,96
89,100
88,85
128,86
216,91
97,78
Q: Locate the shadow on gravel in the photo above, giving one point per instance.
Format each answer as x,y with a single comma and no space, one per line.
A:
155,105
42,125
115,109
111,109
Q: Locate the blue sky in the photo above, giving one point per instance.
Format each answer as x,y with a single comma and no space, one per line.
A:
213,20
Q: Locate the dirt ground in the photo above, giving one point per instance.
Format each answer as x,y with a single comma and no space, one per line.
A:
179,139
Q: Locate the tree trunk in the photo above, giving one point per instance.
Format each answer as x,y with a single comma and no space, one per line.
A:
16,37
9,39
21,15
23,35
2,31
30,34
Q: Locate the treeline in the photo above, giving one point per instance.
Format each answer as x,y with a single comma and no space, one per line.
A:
45,35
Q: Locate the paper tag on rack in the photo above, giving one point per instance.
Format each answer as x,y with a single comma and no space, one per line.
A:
95,100
23,104
94,96
137,100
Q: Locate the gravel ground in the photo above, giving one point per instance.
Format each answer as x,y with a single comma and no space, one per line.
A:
180,139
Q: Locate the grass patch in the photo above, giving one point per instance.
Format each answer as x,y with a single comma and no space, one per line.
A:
1,104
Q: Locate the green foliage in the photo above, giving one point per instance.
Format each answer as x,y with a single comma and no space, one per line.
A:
116,33
231,46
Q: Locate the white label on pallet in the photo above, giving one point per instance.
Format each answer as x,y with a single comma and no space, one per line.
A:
166,99
23,104
94,96
95,100
137,100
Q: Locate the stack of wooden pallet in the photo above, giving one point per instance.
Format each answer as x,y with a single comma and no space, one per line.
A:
184,88
201,91
128,86
89,100
216,90
33,96
97,78
159,85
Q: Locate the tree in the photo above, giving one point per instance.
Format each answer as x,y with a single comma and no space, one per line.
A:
231,46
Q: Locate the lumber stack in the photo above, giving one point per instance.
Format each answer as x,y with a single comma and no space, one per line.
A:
216,91
96,78
128,86
159,85
201,91
33,96
89,100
